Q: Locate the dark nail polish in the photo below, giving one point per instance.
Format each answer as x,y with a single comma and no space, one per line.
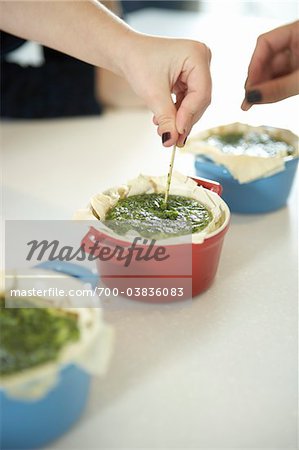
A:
254,96
165,137
185,141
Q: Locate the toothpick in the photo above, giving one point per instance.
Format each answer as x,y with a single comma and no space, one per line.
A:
169,174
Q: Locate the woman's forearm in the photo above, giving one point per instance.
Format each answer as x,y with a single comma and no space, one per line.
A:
155,67
83,29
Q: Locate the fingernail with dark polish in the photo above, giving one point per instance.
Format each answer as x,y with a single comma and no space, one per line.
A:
165,137
254,96
185,141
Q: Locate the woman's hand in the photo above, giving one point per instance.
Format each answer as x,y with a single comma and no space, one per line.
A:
155,67
273,73
158,67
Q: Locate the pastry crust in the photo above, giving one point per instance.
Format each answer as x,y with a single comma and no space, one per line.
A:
101,203
91,352
244,167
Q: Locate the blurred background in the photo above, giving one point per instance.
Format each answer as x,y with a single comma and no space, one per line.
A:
38,82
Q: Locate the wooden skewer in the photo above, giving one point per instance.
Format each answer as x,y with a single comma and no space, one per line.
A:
169,175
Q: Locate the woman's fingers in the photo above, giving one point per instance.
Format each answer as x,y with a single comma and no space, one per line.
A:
155,122
192,108
197,97
272,90
165,116
176,120
161,67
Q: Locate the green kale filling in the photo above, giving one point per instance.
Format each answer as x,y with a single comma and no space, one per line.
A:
151,218
251,143
33,336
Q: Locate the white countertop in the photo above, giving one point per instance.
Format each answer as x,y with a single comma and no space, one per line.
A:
220,372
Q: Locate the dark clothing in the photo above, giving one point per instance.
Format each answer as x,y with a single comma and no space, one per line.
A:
61,86
136,5
9,43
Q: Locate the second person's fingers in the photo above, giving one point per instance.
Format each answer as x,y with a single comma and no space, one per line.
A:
272,91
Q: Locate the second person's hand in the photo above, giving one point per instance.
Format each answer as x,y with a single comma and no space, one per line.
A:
273,72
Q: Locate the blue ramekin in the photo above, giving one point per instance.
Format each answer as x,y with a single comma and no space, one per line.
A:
32,423
259,196
27,424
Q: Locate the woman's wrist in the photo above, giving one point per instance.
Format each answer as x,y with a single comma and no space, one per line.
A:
124,55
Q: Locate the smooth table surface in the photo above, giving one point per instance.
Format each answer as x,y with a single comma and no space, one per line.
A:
219,372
